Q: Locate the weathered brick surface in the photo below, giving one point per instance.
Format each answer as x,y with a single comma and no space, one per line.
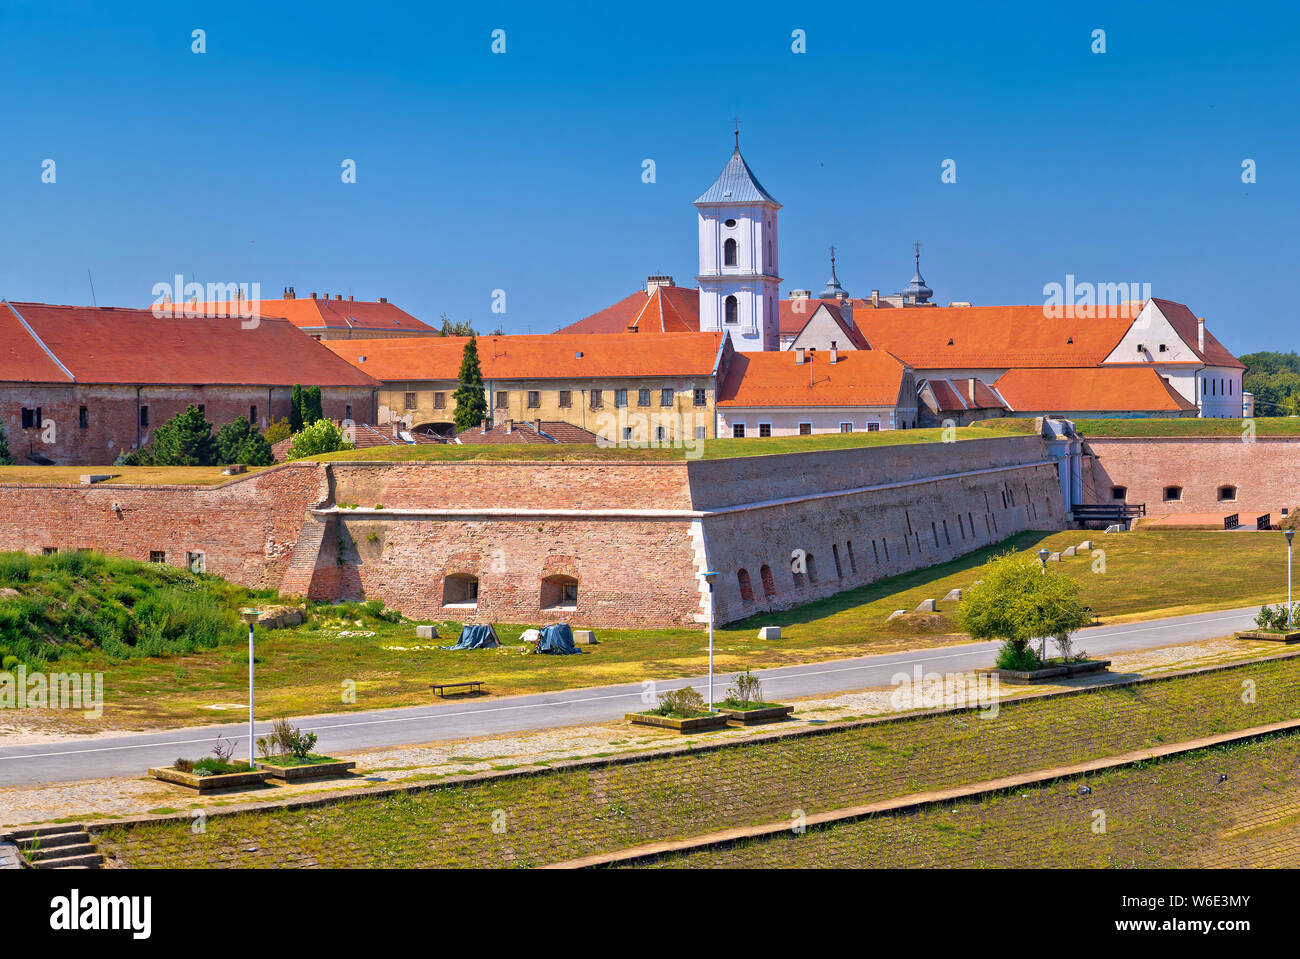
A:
112,415
392,531
1266,473
245,529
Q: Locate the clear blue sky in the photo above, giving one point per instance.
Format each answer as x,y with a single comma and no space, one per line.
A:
522,171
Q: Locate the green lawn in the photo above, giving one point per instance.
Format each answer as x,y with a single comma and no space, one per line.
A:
1264,426
709,449
303,670
122,475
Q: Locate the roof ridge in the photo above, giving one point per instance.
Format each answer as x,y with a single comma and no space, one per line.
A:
40,342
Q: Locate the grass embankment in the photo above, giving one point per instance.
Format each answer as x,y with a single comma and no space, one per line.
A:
121,475
302,670
556,816
725,448
1169,814
1191,426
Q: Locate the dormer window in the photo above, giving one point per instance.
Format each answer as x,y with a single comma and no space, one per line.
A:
1069,341
729,252
950,341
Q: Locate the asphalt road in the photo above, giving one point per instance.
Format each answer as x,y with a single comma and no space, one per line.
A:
131,755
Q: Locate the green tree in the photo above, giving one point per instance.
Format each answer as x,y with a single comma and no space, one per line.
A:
184,440
459,328
311,406
5,460
238,442
278,430
1018,601
295,409
470,397
321,437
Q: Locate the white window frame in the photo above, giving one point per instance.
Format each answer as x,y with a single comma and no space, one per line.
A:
800,427
847,423
744,431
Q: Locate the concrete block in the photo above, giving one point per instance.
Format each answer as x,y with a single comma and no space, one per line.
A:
1085,546
426,632
954,595
89,479
584,637
927,606
769,632
1054,558
1068,551
234,469
895,614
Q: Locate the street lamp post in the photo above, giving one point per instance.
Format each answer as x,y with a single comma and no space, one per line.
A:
1290,609
1042,558
709,577
250,617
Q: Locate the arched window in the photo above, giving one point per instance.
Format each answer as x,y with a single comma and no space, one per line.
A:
559,592
731,309
812,567
460,589
769,584
729,252
746,588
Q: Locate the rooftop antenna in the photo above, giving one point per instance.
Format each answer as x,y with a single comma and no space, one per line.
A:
93,301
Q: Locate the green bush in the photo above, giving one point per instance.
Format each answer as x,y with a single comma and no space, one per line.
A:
184,440
320,437
238,442
5,460
1016,656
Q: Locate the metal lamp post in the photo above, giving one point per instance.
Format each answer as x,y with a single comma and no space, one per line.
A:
250,617
1042,558
1290,609
709,577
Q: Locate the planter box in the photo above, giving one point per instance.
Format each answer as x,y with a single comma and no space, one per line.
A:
1291,637
1047,673
291,774
752,717
695,725
207,784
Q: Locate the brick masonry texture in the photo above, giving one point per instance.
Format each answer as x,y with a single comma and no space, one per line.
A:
397,532
112,414
1265,472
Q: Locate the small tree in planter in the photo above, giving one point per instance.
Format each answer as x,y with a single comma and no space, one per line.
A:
1017,601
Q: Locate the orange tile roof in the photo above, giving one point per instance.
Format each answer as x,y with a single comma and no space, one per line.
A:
859,378
22,360
356,316
126,346
666,309
991,337
1090,389
955,395
538,356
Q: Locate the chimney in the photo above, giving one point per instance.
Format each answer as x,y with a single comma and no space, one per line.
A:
970,389
351,298
657,279
313,296
483,426
510,426
798,356
338,296
875,298
800,294
1200,333
383,299
292,295
835,355
537,425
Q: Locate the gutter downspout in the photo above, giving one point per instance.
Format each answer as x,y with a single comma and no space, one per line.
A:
137,416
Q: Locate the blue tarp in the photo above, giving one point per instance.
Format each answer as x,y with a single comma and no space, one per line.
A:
476,637
557,639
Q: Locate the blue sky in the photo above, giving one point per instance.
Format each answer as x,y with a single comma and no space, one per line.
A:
522,171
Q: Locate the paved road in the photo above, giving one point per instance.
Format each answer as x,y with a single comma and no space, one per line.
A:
130,755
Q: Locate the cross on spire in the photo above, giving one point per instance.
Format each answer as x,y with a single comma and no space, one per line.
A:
737,131
918,254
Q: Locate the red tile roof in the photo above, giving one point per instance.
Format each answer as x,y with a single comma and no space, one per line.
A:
1185,324
1091,389
22,360
553,431
353,316
125,346
954,395
539,356
666,309
859,378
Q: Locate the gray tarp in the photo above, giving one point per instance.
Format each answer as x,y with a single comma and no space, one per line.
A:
557,639
476,637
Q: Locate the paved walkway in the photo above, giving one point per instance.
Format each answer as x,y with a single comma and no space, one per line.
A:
78,759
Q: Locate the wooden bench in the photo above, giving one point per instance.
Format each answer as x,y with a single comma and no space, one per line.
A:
473,689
